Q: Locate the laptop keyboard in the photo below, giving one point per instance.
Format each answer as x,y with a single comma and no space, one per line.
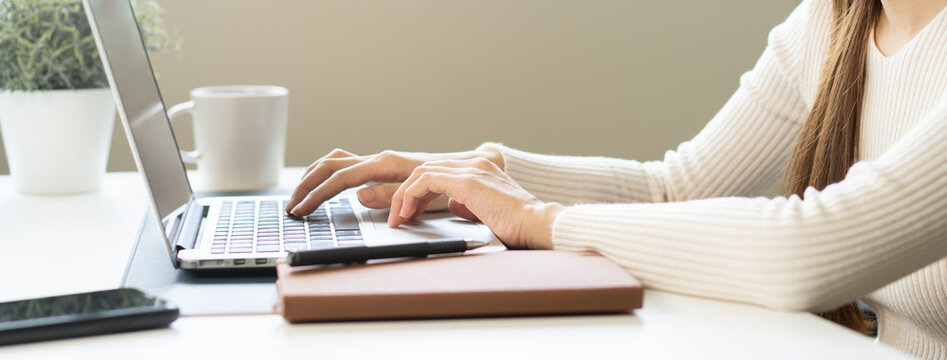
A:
261,226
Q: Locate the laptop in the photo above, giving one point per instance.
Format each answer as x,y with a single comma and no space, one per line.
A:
229,232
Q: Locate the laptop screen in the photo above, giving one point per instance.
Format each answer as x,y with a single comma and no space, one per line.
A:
139,103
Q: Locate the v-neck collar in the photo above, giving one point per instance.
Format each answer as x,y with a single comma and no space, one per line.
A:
911,44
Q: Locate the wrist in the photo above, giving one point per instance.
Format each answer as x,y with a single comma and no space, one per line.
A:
543,216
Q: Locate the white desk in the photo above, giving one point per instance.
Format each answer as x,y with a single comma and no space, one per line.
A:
55,245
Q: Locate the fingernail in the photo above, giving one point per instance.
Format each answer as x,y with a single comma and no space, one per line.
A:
295,210
366,196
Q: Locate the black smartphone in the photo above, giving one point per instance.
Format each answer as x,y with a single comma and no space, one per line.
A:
65,316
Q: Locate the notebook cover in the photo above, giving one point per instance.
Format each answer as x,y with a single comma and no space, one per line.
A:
487,284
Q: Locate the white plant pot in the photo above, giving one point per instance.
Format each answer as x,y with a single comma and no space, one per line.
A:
57,141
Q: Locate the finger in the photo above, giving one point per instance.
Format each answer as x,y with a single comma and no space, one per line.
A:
351,176
413,192
319,174
398,198
378,196
461,210
393,219
420,190
422,206
425,188
335,153
417,197
395,216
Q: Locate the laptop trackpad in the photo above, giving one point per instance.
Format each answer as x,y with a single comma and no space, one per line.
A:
430,225
379,219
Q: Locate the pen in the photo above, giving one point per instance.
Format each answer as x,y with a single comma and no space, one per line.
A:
365,253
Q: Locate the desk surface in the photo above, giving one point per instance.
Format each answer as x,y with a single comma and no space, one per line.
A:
85,241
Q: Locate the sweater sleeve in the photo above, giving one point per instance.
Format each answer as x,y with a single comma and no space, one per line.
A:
684,229
886,219
742,151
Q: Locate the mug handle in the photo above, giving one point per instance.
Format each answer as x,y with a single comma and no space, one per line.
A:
189,157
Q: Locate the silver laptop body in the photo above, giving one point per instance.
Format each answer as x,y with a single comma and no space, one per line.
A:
238,231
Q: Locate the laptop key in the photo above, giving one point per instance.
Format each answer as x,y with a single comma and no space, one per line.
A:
322,245
267,248
296,247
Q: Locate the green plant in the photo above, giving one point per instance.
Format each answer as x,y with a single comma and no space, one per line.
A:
47,44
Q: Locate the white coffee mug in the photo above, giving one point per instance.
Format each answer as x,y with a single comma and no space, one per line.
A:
239,135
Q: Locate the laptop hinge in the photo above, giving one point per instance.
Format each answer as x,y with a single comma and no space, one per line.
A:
189,226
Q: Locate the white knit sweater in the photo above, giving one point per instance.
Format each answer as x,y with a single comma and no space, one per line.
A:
691,224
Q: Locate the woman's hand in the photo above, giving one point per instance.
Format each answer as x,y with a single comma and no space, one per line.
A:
478,190
340,170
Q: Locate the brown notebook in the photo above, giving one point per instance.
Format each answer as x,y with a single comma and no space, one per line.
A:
494,283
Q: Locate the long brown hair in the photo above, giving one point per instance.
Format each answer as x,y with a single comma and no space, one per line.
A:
827,143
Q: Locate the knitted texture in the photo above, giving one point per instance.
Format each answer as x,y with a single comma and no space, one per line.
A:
695,223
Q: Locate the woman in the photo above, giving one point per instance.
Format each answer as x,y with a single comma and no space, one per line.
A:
851,94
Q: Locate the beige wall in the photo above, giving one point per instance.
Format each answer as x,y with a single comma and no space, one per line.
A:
604,77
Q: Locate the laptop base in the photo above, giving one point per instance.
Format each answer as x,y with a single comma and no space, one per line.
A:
148,269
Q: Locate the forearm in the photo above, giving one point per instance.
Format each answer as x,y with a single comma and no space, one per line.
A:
751,250
884,221
576,179
741,152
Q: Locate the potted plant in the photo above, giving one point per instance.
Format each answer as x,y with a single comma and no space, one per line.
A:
56,110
